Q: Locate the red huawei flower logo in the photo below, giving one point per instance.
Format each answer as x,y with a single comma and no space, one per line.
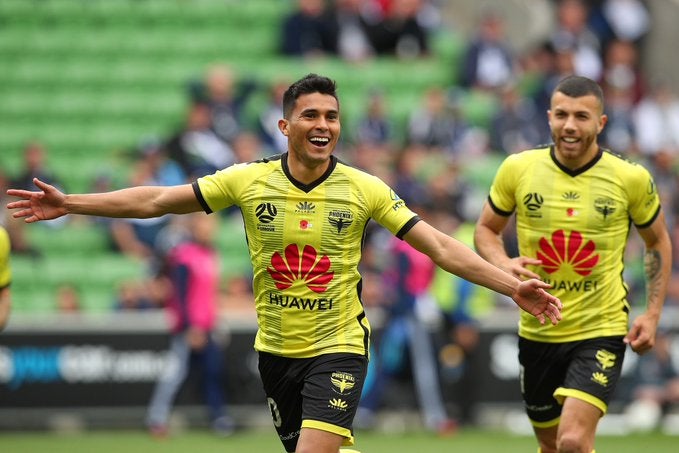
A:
301,266
569,250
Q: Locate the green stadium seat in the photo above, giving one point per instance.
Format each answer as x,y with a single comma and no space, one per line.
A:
77,237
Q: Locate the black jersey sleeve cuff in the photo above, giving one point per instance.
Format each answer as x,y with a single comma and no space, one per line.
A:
650,222
497,210
199,196
411,223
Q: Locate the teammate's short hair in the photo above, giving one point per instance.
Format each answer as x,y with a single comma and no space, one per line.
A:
578,86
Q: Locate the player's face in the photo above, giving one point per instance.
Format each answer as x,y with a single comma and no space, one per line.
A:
313,128
575,125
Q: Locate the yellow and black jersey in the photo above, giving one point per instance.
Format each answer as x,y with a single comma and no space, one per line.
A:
577,223
305,246
5,268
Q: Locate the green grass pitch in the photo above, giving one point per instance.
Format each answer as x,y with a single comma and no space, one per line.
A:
264,441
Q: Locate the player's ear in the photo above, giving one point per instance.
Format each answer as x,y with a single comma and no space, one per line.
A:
283,126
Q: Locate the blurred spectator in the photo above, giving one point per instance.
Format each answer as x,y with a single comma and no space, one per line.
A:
656,120
196,146
437,123
347,24
408,277
447,192
572,33
68,298
619,135
655,385
623,86
247,147
193,268
236,297
374,128
400,32
135,295
514,126
559,64
152,165
225,96
488,61
139,237
34,166
622,72
673,286
626,20
303,32
463,304
406,180
268,116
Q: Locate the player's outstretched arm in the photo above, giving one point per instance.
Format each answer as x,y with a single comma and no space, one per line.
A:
456,258
134,202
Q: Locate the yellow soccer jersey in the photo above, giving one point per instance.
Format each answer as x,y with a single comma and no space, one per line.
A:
577,223
5,269
305,246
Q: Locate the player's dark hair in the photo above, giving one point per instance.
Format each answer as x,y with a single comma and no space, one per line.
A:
578,86
311,83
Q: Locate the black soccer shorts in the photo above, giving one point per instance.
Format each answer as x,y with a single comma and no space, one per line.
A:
320,392
588,370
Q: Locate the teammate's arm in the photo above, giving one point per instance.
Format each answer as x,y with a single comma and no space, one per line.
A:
5,306
456,258
133,202
489,244
5,278
657,269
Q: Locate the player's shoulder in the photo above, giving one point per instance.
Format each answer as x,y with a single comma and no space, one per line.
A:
621,161
263,164
254,168
528,157
538,152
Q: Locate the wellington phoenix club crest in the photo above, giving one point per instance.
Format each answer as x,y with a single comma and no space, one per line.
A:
304,265
571,250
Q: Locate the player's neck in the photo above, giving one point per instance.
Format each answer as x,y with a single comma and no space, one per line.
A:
307,171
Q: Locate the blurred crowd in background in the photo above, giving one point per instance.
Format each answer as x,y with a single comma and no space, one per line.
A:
440,160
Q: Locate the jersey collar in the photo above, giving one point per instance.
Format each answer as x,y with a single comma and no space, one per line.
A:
577,171
308,187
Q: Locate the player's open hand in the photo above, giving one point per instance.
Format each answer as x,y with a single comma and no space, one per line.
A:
532,297
46,204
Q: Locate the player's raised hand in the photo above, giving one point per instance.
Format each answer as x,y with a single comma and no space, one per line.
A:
532,297
45,204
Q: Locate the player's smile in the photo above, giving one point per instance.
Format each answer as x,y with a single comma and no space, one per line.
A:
320,141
